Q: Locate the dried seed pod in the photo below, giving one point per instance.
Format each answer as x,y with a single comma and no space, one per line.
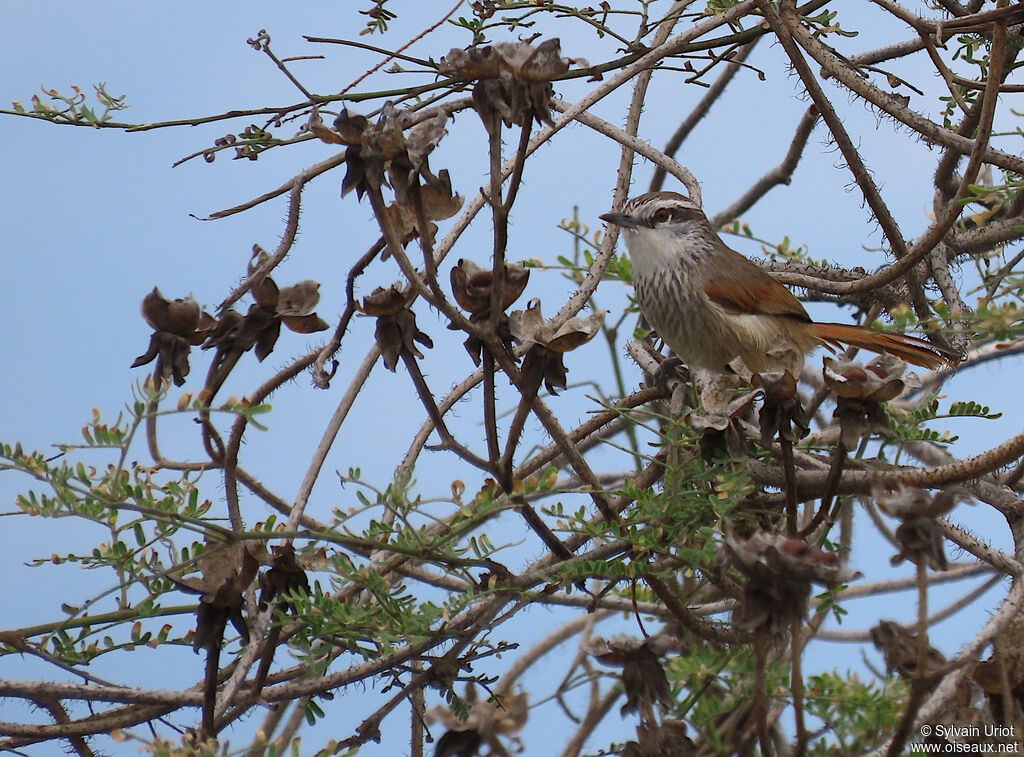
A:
513,79
472,286
396,332
226,571
505,716
643,677
529,327
382,154
285,576
919,534
261,325
860,391
543,362
901,649
780,570
724,401
177,325
781,412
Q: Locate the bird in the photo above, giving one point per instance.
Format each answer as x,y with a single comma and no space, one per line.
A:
710,304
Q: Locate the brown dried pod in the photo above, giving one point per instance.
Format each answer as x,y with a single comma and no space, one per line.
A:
505,716
298,299
1006,663
724,401
780,570
901,650
333,136
438,203
180,317
472,63
295,305
260,327
382,154
529,327
370,147
472,286
860,391
285,576
383,301
542,366
667,739
226,571
351,127
513,79
543,362
177,325
464,743
878,381
424,137
781,412
261,330
919,535
643,677
396,332
226,333
266,292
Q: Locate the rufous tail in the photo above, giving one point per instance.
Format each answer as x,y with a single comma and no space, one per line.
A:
909,348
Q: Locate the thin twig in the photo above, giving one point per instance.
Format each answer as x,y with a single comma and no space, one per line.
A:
401,49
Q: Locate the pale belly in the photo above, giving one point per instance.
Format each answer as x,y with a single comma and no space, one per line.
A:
702,333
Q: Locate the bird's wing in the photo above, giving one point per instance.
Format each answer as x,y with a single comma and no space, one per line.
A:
742,288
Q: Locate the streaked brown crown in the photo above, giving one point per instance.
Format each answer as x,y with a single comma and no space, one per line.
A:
655,208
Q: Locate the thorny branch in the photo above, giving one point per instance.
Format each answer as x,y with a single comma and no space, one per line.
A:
718,571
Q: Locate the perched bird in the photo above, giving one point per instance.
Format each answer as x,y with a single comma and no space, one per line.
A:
711,304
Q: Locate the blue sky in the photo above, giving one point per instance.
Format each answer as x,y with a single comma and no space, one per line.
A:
94,219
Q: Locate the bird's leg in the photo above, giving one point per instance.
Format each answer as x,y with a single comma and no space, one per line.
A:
670,369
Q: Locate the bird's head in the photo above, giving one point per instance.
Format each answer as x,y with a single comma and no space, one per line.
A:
662,223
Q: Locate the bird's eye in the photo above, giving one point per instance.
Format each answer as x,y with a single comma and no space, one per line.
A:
662,214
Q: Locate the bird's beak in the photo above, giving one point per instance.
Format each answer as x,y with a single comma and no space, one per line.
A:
621,220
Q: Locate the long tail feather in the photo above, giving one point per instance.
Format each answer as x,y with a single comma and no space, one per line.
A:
909,348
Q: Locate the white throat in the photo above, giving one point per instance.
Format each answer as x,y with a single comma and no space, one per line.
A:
654,251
